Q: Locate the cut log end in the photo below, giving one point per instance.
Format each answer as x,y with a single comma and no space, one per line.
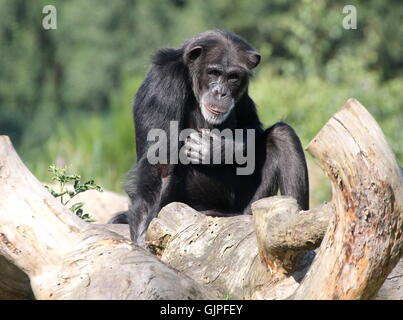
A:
283,231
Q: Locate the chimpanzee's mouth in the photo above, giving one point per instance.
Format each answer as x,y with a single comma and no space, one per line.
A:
215,110
215,114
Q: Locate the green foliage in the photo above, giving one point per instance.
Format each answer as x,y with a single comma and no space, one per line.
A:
60,175
100,145
308,104
226,296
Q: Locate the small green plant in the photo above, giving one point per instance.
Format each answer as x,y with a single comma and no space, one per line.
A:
227,296
66,194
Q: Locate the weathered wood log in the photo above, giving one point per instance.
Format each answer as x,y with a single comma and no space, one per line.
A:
283,231
392,288
363,241
265,256
66,258
220,252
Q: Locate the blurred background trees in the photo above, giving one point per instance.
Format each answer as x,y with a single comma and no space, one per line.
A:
66,94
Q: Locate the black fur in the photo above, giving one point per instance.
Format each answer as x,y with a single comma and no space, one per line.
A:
168,93
120,218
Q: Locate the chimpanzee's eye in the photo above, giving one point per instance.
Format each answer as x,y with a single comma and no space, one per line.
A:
233,77
214,72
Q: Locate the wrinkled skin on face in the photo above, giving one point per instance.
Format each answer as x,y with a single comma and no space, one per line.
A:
219,67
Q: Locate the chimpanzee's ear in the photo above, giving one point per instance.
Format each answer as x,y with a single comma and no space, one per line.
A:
253,59
192,53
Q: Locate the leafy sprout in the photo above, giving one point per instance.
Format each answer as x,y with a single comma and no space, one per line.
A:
66,193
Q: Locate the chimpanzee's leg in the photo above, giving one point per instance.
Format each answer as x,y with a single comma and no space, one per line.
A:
149,188
281,164
119,218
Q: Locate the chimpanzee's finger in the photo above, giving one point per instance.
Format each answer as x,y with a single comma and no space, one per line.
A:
193,145
195,137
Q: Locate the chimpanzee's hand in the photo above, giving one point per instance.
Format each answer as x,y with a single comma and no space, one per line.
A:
200,147
207,147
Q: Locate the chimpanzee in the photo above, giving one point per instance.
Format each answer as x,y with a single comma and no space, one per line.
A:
203,86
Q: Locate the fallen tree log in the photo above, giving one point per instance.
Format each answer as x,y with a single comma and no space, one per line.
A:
265,256
392,288
364,240
67,258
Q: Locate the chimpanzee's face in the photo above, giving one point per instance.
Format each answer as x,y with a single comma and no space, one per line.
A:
221,83
220,76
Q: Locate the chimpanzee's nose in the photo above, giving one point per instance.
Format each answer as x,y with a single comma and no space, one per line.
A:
220,92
